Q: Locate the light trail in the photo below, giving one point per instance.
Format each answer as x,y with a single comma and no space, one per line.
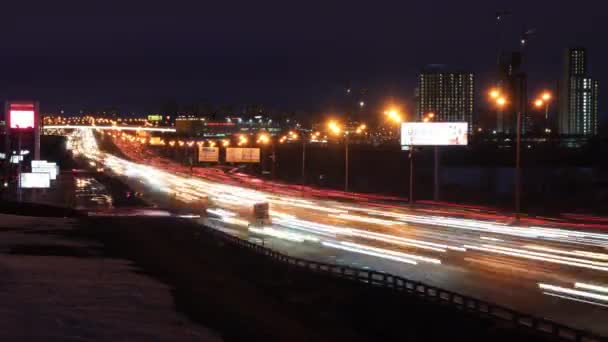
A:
596,288
579,293
390,252
574,253
574,299
316,228
367,252
534,257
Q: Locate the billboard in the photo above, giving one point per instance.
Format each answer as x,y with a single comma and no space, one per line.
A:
39,163
42,166
242,155
51,170
434,133
21,119
208,154
155,117
35,180
15,159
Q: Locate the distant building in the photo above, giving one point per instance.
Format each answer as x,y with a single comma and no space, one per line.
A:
578,96
448,94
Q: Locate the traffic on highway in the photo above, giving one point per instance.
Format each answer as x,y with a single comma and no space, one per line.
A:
562,268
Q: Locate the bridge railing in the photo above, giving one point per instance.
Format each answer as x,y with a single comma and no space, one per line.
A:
431,293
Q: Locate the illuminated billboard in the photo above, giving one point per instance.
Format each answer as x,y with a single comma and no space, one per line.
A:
208,154
242,155
42,166
35,180
155,117
22,119
434,133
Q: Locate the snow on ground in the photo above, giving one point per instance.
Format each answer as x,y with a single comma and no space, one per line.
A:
83,297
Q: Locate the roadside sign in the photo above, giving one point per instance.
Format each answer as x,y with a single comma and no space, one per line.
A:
243,155
434,133
34,180
208,154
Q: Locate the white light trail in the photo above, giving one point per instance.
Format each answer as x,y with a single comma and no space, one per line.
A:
534,257
573,292
366,219
596,288
366,252
399,240
283,234
390,252
583,261
573,253
574,299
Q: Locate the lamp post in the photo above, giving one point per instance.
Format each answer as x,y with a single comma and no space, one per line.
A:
501,101
544,100
335,128
394,116
431,117
265,139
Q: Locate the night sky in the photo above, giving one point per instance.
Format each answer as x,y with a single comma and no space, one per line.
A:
290,54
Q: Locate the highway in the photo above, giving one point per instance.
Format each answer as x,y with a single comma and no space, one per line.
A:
548,271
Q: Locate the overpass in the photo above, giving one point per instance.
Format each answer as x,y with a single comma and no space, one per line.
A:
112,128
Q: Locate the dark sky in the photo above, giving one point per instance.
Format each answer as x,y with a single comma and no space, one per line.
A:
294,54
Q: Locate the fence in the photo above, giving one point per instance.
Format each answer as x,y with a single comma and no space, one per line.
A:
385,280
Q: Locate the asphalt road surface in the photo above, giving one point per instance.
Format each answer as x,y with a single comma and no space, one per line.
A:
549,270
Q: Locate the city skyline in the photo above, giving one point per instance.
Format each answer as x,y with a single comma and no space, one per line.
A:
137,63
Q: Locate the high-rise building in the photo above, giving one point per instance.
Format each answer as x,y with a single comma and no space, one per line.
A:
448,94
578,96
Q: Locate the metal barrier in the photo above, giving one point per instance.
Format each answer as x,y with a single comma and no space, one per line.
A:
385,280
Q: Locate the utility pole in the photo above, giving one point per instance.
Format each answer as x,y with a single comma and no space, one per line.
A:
346,162
518,168
19,166
436,175
303,161
411,197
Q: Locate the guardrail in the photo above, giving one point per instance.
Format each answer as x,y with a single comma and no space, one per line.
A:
432,293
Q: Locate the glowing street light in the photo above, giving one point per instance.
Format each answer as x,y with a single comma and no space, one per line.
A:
334,127
501,101
263,139
544,99
242,140
393,115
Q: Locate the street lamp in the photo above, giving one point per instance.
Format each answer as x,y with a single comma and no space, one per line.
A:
265,139
501,102
426,118
544,99
336,129
394,116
